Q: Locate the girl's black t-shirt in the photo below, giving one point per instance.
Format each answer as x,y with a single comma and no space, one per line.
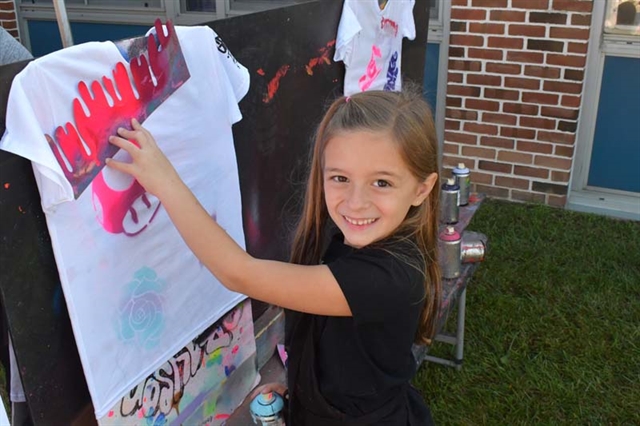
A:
363,362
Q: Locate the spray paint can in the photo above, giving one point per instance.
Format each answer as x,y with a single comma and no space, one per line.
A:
449,202
461,174
266,409
472,251
450,251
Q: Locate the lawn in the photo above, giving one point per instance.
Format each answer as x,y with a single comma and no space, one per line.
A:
552,333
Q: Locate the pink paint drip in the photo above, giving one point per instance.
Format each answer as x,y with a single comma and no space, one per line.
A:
170,71
372,69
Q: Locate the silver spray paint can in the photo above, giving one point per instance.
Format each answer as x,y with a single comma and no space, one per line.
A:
472,251
449,202
450,251
461,174
266,409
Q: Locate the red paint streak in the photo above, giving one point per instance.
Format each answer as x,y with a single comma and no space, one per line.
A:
274,84
389,24
260,71
110,413
222,416
324,57
170,71
21,210
7,185
235,349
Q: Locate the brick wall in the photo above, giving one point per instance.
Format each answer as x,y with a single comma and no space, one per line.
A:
516,71
8,18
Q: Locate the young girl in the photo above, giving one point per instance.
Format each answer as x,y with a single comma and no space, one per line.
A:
363,283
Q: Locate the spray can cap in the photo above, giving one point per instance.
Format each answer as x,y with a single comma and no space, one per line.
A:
267,404
461,169
449,233
450,185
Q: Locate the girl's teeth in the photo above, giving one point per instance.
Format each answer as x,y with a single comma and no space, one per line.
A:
360,222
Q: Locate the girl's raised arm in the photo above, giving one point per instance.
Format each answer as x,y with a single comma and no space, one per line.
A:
311,289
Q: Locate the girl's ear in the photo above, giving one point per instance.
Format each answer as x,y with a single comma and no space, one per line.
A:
424,189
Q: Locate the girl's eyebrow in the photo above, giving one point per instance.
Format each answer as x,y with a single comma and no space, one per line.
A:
375,173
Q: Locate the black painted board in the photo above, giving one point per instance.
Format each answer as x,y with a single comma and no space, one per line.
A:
274,138
31,293
414,52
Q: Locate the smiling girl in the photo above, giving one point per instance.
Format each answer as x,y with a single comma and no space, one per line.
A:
363,283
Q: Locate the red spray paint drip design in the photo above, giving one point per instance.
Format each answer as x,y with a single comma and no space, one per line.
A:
274,84
81,149
323,58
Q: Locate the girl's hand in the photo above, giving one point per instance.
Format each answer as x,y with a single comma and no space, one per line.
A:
149,165
269,387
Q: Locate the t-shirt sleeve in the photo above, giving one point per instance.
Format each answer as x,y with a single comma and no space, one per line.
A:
24,136
348,28
409,24
376,284
235,76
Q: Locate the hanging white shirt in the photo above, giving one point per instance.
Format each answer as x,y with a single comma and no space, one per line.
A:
369,43
135,292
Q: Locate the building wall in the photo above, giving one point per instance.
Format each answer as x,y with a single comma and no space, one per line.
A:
515,82
8,17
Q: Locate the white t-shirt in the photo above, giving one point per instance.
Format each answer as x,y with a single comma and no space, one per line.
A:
135,292
369,43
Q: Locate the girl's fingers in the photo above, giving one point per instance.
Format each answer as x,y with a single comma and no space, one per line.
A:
120,166
125,144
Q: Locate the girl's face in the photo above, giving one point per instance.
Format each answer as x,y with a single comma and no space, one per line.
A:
368,188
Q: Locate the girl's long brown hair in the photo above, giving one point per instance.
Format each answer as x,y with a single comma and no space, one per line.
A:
407,118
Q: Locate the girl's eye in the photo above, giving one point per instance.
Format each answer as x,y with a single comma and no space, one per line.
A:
380,183
338,178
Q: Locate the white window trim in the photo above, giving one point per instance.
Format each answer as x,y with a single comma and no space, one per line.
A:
440,34
582,197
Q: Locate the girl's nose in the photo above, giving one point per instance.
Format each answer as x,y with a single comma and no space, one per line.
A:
358,197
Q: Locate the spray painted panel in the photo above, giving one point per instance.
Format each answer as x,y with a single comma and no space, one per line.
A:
200,385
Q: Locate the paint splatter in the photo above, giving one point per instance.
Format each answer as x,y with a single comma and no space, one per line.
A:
7,185
21,210
222,416
261,72
110,414
323,58
274,84
215,357
235,349
228,369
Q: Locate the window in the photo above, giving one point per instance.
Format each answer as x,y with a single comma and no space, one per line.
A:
233,7
622,17
434,11
129,4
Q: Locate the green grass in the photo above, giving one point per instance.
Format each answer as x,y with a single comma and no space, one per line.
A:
552,331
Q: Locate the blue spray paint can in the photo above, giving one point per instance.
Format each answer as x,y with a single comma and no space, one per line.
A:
449,202
461,174
266,409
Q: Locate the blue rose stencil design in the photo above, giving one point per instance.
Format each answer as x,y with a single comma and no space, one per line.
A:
141,313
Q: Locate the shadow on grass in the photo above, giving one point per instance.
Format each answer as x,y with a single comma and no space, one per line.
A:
553,323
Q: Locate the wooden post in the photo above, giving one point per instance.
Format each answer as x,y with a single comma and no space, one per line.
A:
63,23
